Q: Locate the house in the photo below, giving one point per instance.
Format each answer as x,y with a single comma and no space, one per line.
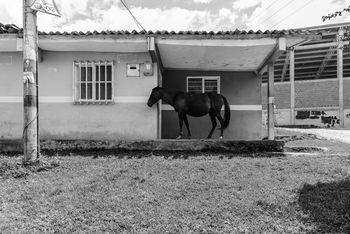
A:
95,85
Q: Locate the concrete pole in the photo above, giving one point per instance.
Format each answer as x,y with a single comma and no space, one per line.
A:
30,82
270,103
292,86
340,77
159,117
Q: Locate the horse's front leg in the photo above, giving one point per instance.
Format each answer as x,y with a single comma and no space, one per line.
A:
181,118
187,126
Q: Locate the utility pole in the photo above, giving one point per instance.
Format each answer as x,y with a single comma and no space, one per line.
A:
30,83
30,74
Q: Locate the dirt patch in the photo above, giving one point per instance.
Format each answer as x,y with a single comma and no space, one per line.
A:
305,149
15,168
341,135
308,136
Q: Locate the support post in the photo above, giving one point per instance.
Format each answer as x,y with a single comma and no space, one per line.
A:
292,87
270,102
154,53
30,83
340,47
160,83
341,83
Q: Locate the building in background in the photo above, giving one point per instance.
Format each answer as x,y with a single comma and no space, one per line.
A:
318,91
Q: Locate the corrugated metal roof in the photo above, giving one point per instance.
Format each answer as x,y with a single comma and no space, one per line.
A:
13,29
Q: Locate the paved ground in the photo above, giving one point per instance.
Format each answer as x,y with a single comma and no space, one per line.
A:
330,134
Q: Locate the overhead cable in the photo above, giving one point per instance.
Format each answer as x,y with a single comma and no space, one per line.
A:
138,24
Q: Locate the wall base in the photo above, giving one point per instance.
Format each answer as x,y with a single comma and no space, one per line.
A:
64,147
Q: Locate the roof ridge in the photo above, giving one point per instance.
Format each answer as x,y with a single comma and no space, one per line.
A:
12,28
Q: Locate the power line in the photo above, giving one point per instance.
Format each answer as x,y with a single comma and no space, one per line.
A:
267,8
280,21
277,11
271,4
138,24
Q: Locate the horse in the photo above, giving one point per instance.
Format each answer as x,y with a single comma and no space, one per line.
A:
194,104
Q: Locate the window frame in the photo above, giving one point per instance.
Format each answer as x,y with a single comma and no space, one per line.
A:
77,82
204,78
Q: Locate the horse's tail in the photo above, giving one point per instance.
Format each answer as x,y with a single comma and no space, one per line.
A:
227,114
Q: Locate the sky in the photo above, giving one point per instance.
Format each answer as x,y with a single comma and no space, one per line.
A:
177,15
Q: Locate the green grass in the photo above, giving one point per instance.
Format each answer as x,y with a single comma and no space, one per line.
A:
154,194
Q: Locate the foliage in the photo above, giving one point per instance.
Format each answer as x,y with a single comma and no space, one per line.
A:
335,14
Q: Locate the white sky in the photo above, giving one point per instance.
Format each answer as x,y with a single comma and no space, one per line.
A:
90,15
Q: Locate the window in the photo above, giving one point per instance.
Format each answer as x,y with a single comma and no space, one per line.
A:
203,84
93,81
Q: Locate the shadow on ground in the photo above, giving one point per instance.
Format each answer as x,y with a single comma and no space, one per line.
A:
328,205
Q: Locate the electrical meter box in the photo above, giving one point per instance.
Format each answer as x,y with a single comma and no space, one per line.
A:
133,69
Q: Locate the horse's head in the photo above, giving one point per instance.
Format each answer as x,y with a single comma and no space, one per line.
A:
155,96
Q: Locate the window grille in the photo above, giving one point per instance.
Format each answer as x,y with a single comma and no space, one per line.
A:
93,81
203,84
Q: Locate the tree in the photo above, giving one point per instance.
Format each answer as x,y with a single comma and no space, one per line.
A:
346,30
335,14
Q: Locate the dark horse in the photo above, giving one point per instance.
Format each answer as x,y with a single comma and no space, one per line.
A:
194,105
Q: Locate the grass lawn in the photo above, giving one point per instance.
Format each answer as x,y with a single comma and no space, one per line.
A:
297,193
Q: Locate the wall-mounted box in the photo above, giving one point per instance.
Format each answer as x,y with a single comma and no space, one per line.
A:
133,69
148,68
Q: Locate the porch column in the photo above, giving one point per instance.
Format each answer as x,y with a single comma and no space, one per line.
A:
292,87
154,53
270,103
159,126
340,77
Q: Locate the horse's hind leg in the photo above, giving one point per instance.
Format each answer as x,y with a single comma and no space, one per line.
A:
181,118
221,120
213,122
187,126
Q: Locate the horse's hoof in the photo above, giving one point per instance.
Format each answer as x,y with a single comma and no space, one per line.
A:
220,138
179,137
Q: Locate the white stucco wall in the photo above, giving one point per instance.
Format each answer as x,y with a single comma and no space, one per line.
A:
128,118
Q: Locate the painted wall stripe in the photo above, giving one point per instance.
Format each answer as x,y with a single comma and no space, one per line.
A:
43,99
117,99
131,99
68,99
11,99
246,107
56,99
232,107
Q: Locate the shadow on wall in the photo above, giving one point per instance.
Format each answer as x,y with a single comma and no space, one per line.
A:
328,205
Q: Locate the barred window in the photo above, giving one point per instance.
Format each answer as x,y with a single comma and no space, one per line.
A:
203,84
93,81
